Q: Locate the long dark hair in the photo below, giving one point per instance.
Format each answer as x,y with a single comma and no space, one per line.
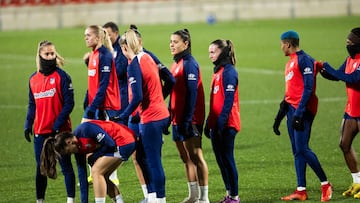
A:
52,150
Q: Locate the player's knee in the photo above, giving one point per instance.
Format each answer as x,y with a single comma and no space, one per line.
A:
195,158
345,148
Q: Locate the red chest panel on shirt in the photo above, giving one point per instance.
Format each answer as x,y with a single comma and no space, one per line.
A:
47,94
93,75
87,145
353,90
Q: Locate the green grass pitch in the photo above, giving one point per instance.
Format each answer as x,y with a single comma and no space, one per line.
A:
264,160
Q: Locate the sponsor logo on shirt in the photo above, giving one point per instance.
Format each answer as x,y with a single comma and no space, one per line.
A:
307,71
230,88
132,80
191,76
289,76
106,69
92,72
47,93
216,89
70,87
100,137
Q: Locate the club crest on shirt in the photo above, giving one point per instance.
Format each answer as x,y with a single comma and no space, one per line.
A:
94,62
356,66
217,77
52,81
216,89
177,70
292,64
289,76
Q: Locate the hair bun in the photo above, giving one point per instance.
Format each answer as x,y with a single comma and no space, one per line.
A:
133,27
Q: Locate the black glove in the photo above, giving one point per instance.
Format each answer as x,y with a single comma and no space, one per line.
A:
92,159
298,123
185,128
284,107
166,129
90,114
276,127
54,132
85,104
27,133
207,130
135,119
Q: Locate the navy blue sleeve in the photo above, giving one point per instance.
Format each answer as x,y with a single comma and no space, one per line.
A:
155,58
135,82
30,115
230,83
67,92
121,62
167,78
340,74
86,100
82,175
191,74
306,66
105,66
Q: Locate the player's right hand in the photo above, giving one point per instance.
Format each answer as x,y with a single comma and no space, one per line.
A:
27,133
276,126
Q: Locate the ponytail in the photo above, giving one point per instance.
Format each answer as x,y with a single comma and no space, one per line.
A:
52,150
227,50
231,51
106,41
48,158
